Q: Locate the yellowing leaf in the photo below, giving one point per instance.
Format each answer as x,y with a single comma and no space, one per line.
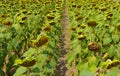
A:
17,62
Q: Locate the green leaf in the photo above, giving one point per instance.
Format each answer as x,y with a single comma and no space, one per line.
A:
5,35
20,71
72,56
8,35
112,29
115,38
2,29
16,26
113,72
86,73
9,47
30,52
106,40
111,51
15,42
1,73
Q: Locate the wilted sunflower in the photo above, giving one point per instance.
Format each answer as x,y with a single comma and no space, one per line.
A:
109,14
52,23
79,18
4,15
72,1
107,25
24,11
74,5
92,23
81,37
50,17
24,18
18,14
79,33
21,22
103,9
48,2
6,23
108,18
111,64
79,6
28,62
57,7
29,13
53,11
43,40
58,2
77,14
73,28
93,46
81,26
118,26
47,28
93,4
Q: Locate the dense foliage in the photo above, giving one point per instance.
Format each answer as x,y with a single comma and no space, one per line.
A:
30,32
95,36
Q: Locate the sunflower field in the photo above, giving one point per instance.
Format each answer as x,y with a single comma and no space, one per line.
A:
59,38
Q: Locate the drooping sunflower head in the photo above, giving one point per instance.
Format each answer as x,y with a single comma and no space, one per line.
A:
93,46
47,28
92,23
43,40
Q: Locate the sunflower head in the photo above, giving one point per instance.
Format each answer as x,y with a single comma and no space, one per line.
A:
93,46
43,40
92,23
47,28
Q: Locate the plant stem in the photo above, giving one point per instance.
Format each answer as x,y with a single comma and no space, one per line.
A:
28,71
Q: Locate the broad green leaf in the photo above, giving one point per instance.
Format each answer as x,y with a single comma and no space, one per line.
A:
112,72
93,68
74,43
8,35
1,35
9,47
5,35
15,41
111,50
86,73
112,29
107,40
17,27
92,62
30,52
72,56
2,29
20,71
115,38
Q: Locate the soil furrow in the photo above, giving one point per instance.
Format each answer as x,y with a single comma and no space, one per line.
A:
61,68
